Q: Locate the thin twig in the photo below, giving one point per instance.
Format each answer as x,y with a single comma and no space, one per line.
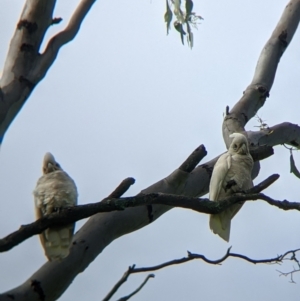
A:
125,298
291,273
192,256
119,283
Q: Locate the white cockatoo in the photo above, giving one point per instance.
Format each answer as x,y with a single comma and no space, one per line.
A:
55,190
231,173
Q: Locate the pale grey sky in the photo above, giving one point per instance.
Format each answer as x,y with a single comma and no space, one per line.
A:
123,99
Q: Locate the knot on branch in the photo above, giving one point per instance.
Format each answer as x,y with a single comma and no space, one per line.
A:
26,47
56,21
263,91
283,38
36,285
29,26
27,82
245,117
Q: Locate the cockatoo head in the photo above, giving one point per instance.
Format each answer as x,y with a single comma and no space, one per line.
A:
239,144
49,164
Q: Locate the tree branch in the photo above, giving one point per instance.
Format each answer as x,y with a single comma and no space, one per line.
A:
192,256
73,214
16,81
196,156
291,274
283,133
25,67
122,188
256,93
123,280
62,38
125,298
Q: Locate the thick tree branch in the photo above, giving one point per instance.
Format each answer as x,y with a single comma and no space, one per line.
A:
283,133
25,67
16,81
256,93
62,38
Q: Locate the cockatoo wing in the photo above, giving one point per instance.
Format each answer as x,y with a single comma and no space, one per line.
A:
55,190
220,223
232,173
218,176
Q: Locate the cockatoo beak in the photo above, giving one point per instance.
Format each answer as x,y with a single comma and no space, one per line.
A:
243,149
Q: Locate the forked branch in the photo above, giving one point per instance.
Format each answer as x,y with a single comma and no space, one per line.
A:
192,256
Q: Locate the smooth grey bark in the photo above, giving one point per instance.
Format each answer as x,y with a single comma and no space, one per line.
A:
256,93
24,66
101,229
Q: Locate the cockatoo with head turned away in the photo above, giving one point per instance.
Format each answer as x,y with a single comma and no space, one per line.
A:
231,174
55,190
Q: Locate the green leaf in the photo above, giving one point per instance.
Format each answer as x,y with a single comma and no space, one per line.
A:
179,28
168,16
190,37
188,8
294,169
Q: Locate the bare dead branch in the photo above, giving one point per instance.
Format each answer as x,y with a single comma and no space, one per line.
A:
124,279
118,284
284,205
125,298
122,188
264,184
192,256
73,214
291,274
196,156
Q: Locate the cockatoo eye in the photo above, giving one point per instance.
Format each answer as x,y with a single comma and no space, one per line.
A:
235,146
